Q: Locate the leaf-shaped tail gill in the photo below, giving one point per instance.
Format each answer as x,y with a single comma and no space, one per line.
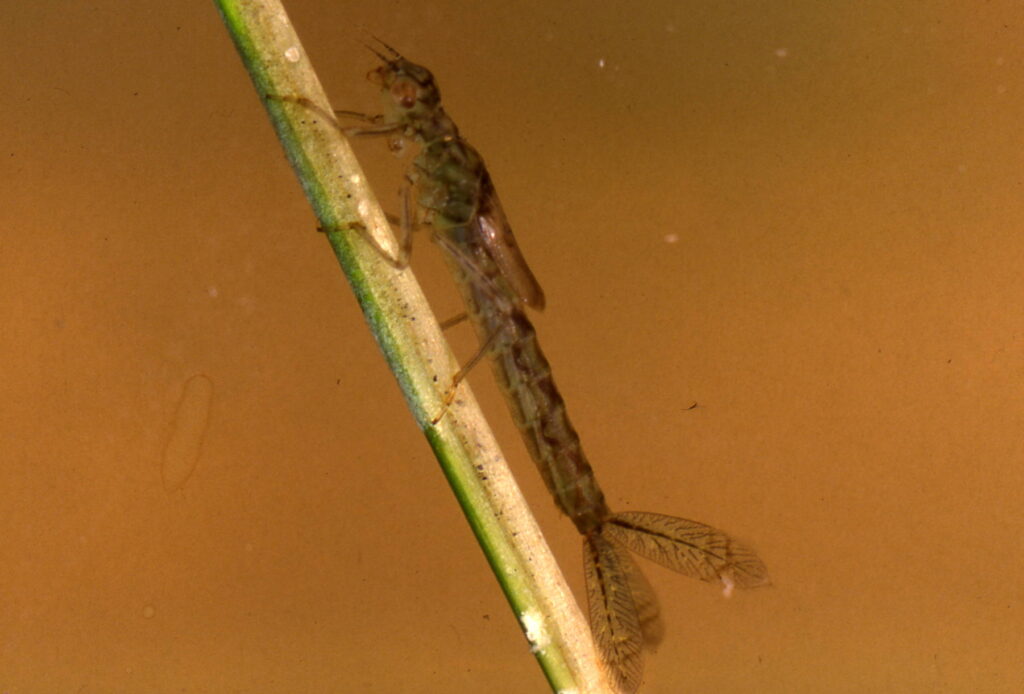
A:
614,618
689,547
647,608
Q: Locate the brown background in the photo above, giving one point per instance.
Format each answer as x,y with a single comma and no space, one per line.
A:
840,294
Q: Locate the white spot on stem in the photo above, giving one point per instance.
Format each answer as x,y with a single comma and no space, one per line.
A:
536,633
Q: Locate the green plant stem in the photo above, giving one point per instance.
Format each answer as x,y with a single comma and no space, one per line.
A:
412,343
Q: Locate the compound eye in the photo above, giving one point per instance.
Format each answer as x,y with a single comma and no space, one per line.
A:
405,92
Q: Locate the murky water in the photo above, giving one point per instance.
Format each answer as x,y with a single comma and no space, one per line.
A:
804,218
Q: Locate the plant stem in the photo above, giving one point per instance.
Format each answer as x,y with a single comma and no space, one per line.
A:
413,346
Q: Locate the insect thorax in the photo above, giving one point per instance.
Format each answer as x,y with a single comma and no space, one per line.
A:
449,172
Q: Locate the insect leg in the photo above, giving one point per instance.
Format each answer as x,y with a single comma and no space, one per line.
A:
406,226
460,375
454,320
495,300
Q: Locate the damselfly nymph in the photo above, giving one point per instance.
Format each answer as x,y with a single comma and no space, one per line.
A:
455,196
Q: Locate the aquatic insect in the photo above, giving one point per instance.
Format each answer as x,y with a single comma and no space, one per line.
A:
457,199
